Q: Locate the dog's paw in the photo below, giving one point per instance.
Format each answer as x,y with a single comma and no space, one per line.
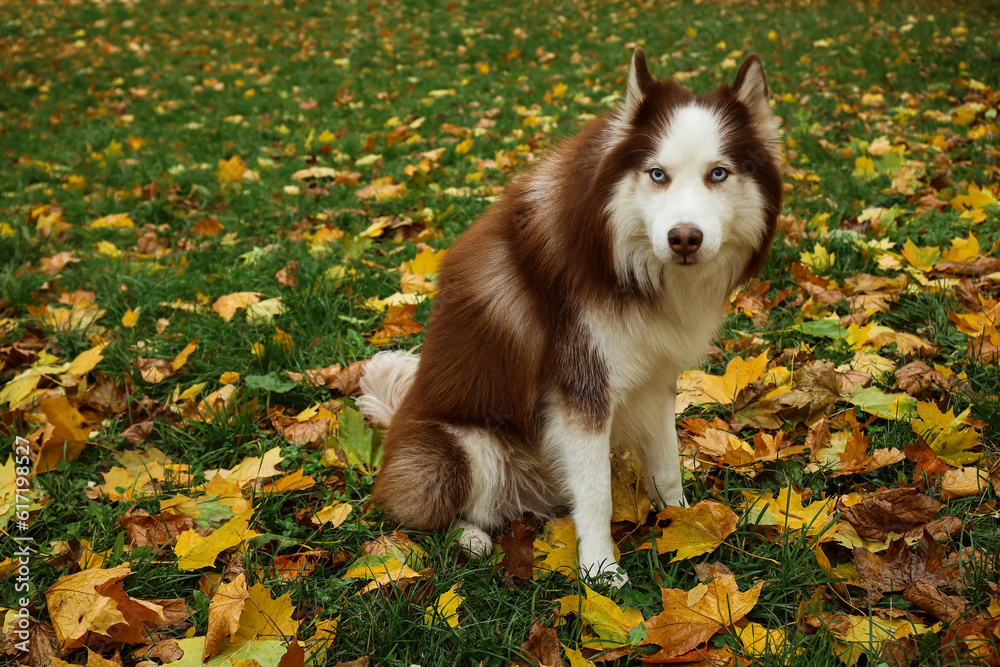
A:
603,571
474,540
612,575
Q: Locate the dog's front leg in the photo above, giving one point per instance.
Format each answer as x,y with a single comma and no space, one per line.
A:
584,455
658,448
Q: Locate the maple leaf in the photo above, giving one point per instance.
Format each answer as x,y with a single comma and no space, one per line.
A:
949,436
227,305
113,221
739,374
690,618
321,643
445,608
896,510
224,613
381,571
787,513
695,530
606,619
92,601
854,636
232,170
194,551
334,514
65,434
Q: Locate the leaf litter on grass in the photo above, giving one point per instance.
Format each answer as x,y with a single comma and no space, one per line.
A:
208,232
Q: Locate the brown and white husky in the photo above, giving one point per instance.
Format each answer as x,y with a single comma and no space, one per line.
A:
567,311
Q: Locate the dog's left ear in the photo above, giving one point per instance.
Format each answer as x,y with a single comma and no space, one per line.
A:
751,87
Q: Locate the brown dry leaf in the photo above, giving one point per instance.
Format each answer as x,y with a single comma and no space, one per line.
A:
542,646
227,305
927,596
900,566
153,370
65,434
224,614
398,322
694,530
927,460
690,618
918,379
56,263
348,380
288,276
144,529
891,510
518,549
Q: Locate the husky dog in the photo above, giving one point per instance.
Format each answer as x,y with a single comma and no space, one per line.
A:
567,310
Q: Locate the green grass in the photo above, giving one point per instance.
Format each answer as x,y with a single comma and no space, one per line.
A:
113,108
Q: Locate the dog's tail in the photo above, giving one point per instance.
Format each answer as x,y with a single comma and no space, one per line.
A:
384,382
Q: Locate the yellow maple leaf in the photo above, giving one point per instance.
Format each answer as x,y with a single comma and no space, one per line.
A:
231,170
380,571
228,304
962,250
194,551
694,530
445,608
113,221
759,641
130,318
788,514
264,618
820,259
427,262
739,374
610,623
920,258
975,198
334,514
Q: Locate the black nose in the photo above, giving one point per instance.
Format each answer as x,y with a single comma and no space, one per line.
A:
685,239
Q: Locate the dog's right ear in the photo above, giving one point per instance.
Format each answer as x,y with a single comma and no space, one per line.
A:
639,82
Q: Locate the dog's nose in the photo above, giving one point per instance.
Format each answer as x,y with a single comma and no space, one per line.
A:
685,239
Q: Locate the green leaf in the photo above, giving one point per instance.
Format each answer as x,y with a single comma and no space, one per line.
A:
823,328
876,402
270,382
268,652
356,439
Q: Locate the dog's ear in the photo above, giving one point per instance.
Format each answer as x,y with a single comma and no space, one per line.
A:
639,82
751,87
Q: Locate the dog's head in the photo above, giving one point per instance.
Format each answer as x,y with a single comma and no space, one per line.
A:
697,178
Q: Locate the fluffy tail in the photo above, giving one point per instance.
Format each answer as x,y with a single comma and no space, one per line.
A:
386,378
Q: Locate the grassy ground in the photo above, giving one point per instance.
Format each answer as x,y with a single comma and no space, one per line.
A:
193,119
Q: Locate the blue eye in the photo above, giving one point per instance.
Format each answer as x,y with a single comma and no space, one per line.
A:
720,174
658,175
